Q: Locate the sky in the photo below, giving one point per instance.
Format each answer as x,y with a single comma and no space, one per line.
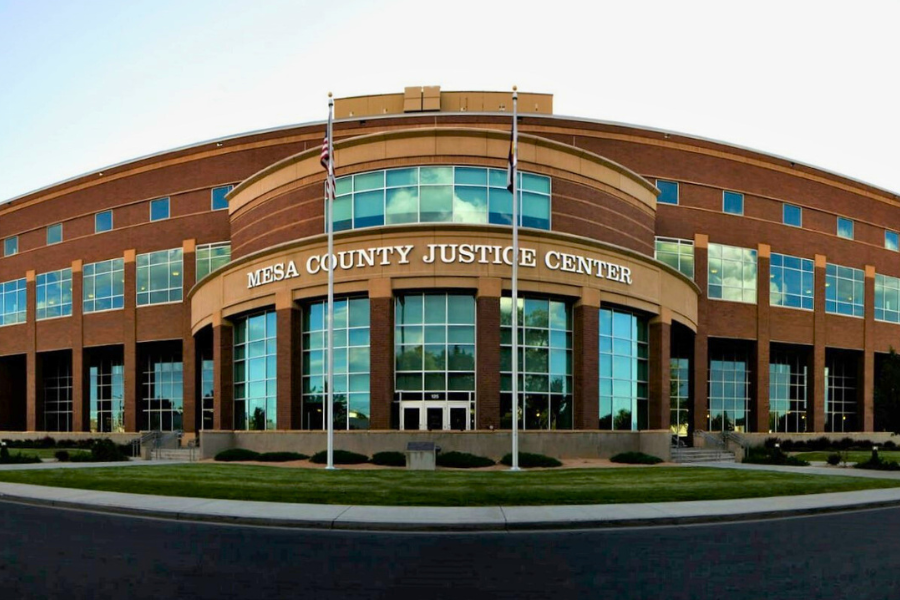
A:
88,84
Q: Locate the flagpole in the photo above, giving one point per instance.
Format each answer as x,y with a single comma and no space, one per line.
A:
329,194
514,159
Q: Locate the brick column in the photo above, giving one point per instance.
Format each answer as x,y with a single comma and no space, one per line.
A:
759,408
487,352
81,410
290,361
815,401
660,370
188,347
381,353
866,392
131,376
700,366
586,360
223,373
34,418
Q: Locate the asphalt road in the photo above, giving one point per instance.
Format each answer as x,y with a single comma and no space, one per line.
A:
52,553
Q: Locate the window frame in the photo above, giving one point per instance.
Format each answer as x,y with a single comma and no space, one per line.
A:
159,202
844,220
51,228
726,194
677,192
6,241
784,218
97,217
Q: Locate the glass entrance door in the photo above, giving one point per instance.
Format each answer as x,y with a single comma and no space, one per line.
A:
435,416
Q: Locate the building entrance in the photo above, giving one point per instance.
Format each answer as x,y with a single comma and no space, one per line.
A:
435,416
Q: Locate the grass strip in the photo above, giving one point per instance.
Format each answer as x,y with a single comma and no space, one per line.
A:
444,488
854,456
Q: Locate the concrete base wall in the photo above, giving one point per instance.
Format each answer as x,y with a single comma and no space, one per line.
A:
493,444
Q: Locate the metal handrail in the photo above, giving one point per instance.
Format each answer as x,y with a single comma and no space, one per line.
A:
736,438
711,438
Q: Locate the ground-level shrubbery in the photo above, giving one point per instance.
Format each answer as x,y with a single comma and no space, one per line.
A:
340,457
528,460
636,458
878,464
463,460
765,455
389,459
281,456
6,458
236,454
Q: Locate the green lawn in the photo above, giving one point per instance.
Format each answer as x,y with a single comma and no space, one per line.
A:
443,488
852,457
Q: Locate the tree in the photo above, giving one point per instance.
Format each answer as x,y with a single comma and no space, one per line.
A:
887,394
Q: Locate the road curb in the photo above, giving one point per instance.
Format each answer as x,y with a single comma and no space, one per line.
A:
498,526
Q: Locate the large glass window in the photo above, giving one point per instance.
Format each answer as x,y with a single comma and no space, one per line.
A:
211,257
545,363
844,290
217,197
679,396
351,364
434,347
732,273
207,391
845,228
668,191
104,285
57,384
678,254
438,195
624,354
255,372
887,298
13,303
787,392
791,281
732,203
11,245
107,390
792,215
840,399
54,294
159,276
163,400
729,391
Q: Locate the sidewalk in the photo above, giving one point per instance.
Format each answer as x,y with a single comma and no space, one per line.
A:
499,518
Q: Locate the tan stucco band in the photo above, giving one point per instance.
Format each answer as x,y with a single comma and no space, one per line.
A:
654,286
482,145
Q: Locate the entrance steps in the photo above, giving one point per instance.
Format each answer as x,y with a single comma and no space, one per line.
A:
697,455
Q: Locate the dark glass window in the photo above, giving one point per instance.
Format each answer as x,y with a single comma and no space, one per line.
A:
845,228
159,209
218,201
54,234
11,245
668,191
733,203
792,215
103,221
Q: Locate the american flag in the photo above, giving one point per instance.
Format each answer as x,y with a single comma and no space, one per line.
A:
328,165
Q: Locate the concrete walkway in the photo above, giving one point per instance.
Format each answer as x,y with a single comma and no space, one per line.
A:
498,518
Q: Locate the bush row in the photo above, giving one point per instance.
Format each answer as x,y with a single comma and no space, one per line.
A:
101,450
455,460
766,455
636,458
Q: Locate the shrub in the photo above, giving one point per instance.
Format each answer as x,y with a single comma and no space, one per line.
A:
18,458
878,464
636,458
46,442
236,454
528,460
106,450
760,455
281,456
890,445
834,459
463,460
389,459
62,455
4,453
340,457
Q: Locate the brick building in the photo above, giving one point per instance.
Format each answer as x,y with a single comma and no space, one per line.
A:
665,281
